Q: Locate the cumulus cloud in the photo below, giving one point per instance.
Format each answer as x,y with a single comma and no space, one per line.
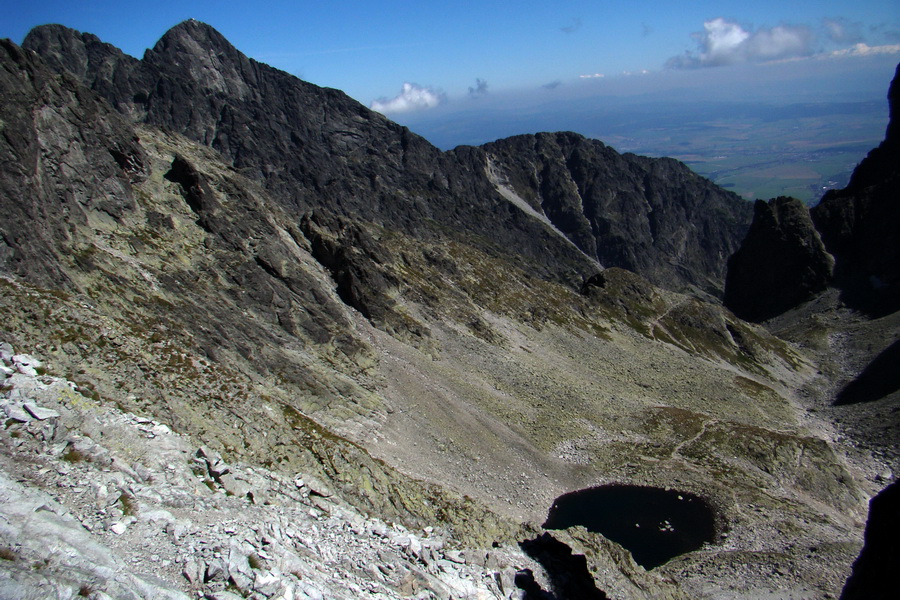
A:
725,42
411,97
592,76
480,89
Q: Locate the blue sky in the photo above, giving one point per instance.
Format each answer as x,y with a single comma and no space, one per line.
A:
443,68
370,49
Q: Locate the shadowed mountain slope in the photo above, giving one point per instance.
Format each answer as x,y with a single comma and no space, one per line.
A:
652,216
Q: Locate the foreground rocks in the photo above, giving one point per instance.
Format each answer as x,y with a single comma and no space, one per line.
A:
99,503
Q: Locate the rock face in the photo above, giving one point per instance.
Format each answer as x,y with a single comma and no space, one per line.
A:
49,176
651,216
860,224
781,263
310,147
859,227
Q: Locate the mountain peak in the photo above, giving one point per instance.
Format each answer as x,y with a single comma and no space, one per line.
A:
68,48
191,35
202,54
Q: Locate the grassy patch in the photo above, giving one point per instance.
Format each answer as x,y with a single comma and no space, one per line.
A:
71,455
129,506
8,554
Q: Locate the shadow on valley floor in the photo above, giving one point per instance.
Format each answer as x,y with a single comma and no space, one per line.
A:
880,378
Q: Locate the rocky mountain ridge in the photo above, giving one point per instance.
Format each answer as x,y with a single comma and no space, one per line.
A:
362,313
651,216
318,148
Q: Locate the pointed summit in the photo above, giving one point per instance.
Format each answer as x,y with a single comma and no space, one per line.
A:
192,35
62,47
198,51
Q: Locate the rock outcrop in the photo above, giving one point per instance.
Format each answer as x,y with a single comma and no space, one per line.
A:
857,229
860,225
872,577
781,263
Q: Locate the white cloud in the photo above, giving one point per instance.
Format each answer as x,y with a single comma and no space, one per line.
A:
861,49
411,97
593,76
725,42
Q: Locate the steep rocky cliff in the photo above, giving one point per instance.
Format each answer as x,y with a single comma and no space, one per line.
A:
308,146
781,263
871,578
860,224
314,147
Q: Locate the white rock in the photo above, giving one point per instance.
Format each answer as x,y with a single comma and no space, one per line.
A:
40,413
285,593
118,527
267,583
311,592
26,365
193,571
158,517
6,352
17,412
161,430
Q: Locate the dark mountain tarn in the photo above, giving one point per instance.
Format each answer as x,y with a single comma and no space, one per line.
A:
654,524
